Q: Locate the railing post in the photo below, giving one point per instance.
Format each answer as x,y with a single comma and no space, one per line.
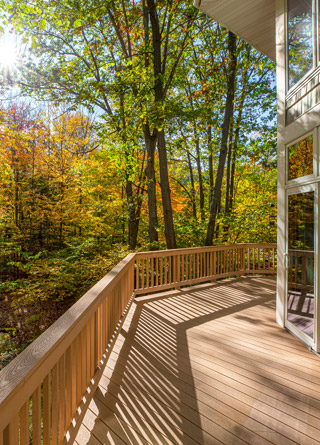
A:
132,276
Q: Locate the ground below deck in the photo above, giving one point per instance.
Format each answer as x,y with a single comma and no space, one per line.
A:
207,366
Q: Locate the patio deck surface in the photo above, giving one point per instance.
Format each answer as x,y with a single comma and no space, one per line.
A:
206,366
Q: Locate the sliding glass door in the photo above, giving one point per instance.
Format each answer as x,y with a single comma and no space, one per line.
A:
301,263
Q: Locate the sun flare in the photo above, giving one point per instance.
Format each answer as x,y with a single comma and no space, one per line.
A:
8,55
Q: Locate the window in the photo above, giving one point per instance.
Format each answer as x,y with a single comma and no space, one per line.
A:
300,40
300,159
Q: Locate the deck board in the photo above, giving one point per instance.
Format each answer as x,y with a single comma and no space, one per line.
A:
206,366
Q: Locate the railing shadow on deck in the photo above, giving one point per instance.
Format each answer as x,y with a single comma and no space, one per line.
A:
147,391
44,391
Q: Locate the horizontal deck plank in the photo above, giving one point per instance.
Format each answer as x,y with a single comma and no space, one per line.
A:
207,365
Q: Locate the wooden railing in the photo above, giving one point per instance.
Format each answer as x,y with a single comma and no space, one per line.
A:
50,382
182,267
45,391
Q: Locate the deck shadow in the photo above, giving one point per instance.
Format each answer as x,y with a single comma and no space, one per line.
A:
148,393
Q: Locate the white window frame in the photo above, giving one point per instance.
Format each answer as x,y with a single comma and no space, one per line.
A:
311,342
308,178
315,33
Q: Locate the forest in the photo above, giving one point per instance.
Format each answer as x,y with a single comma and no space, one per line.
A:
124,126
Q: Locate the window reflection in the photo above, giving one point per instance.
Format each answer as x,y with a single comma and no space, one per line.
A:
300,39
300,159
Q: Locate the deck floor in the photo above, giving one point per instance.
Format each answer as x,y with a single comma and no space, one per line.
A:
206,366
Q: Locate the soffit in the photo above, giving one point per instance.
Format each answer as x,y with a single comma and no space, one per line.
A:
252,20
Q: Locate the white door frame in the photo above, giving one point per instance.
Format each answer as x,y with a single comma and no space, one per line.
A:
311,342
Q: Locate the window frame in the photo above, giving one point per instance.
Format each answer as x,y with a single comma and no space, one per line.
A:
316,42
303,179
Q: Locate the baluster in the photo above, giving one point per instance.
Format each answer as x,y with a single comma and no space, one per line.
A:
147,274
137,275
218,262
142,274
36,417
104,321
85,370
92,345
61,373
198,265
74,378
152,271
157,271
253,259
11,433
68,378
55,404
182,267
232,260
24,423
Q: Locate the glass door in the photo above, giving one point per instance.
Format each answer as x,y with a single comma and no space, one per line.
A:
301,264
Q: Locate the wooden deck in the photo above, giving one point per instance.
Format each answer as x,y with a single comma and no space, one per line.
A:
208,366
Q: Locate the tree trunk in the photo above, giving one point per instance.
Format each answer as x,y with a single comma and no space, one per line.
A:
232,67
150,144
234,158
193,190
201,192
133,224
166,192
210,164
228,178
235,149
159,95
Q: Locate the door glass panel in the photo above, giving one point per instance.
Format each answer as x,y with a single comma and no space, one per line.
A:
301,261
300,159
300,39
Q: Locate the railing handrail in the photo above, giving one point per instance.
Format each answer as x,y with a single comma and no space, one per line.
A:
177,252
21,377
